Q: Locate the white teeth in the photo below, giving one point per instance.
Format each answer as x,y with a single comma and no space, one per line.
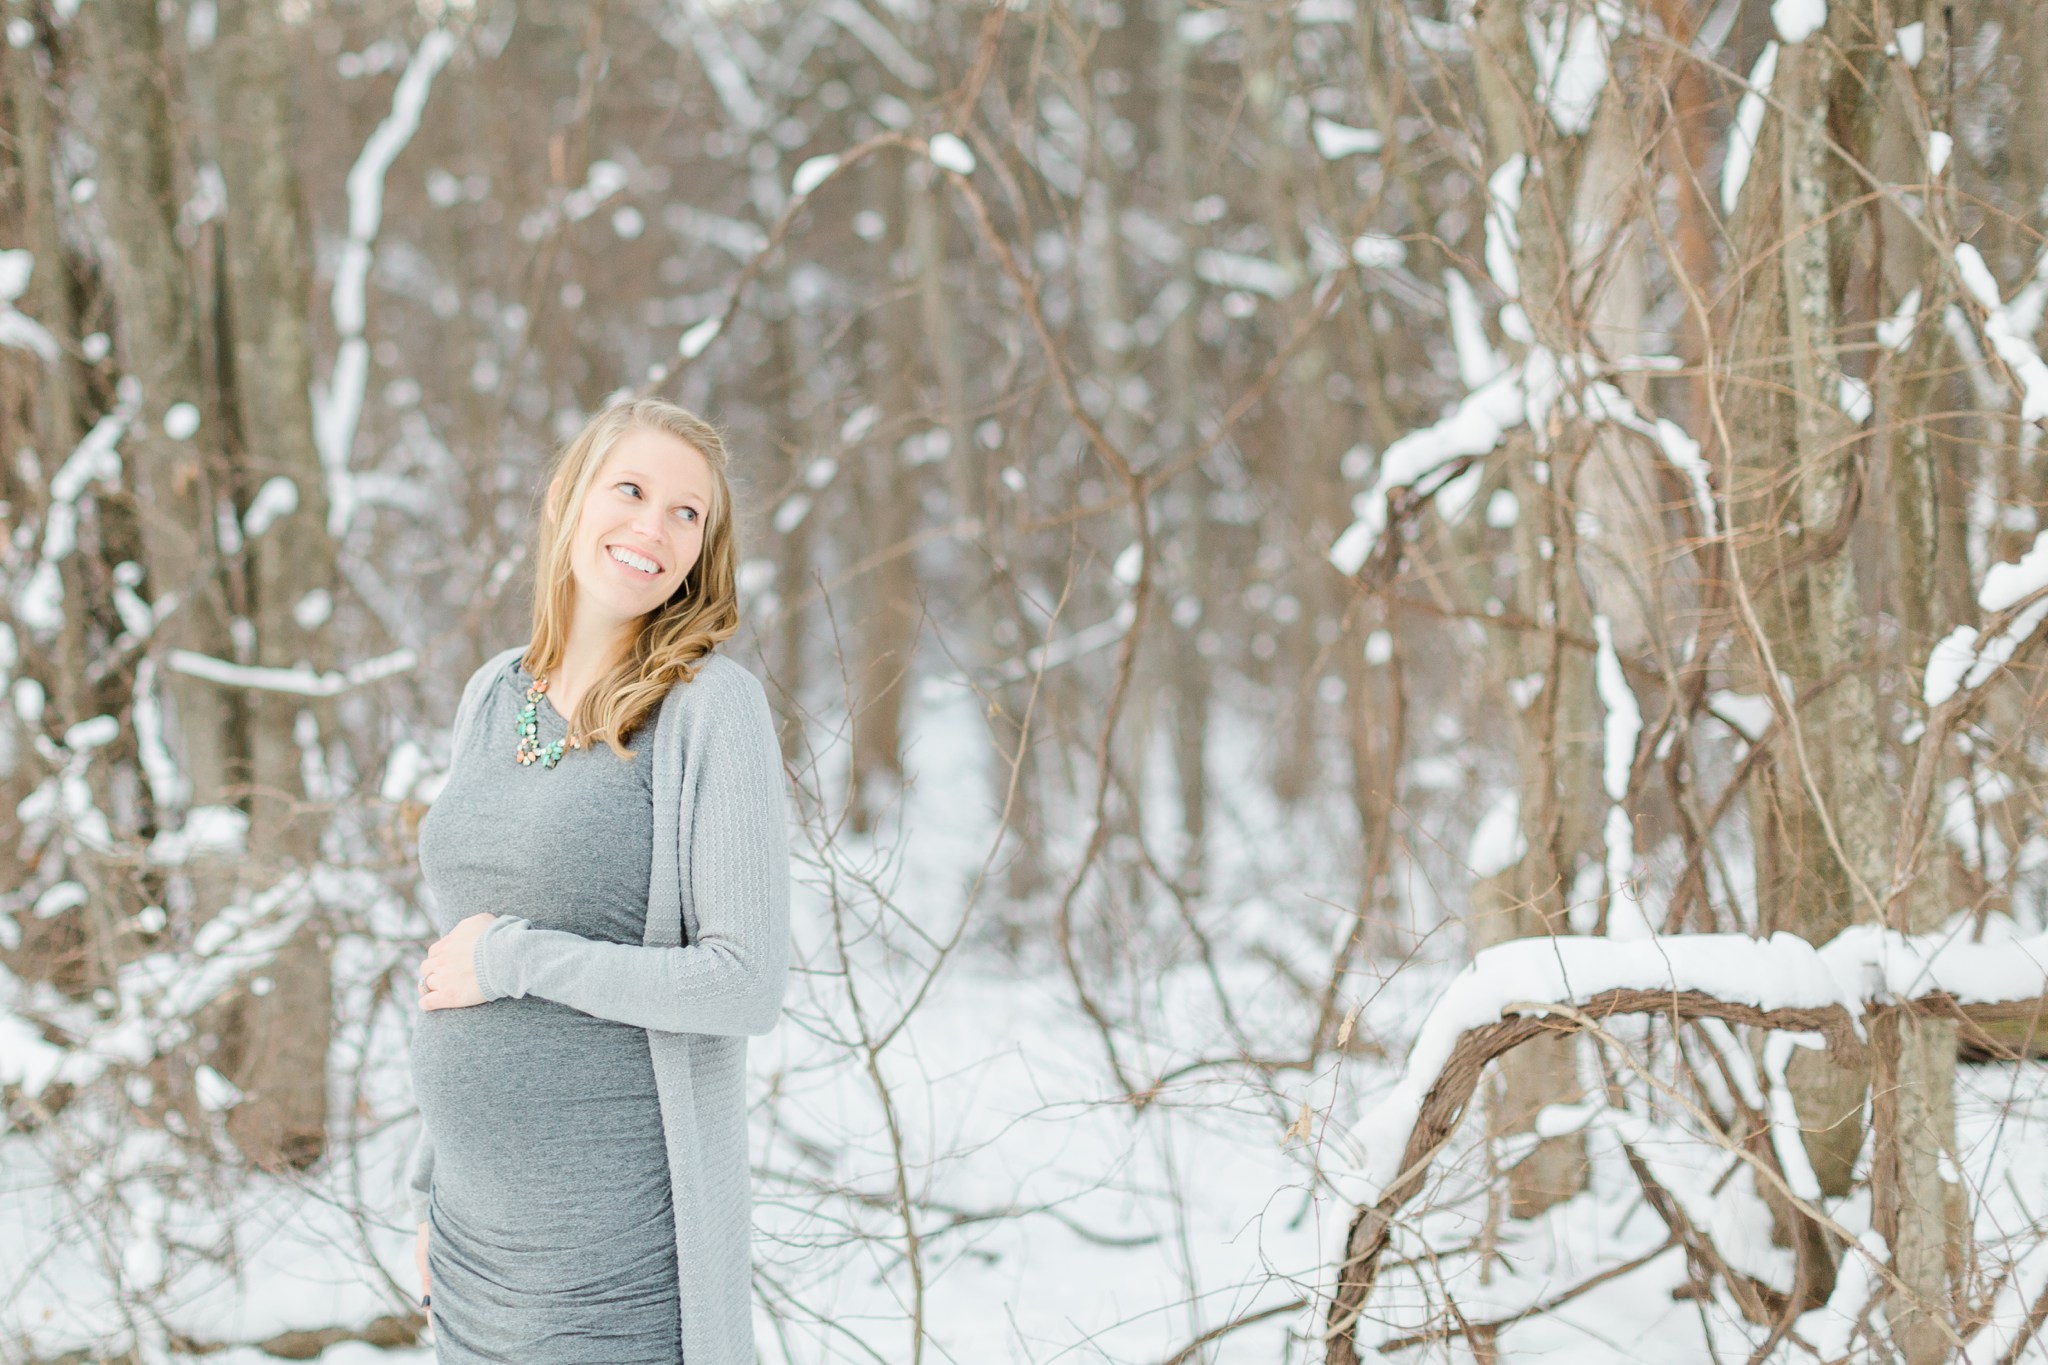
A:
634,561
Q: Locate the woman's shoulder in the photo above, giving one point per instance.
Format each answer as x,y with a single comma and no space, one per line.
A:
719,684
496,666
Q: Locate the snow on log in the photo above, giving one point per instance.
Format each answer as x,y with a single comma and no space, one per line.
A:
1508,994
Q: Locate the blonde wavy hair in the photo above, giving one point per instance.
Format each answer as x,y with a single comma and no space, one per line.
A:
673,639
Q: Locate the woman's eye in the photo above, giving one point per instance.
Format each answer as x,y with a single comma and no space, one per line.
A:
689,512
634,486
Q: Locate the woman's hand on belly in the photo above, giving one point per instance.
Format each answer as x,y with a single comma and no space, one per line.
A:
448,976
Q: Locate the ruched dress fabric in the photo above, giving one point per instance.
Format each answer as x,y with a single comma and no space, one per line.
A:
552,1234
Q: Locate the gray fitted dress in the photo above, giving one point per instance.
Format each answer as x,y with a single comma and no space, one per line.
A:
552,1235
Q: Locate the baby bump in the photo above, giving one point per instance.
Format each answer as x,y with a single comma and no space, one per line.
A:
545,1121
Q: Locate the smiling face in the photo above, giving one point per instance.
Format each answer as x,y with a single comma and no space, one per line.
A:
641,526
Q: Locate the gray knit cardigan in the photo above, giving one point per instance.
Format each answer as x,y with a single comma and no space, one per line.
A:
710,973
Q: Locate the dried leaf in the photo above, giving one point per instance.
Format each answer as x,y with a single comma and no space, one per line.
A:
1344,1029
1301,1127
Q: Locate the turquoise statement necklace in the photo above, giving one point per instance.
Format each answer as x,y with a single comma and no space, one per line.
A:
530,749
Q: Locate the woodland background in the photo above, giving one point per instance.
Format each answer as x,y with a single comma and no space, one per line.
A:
1250,508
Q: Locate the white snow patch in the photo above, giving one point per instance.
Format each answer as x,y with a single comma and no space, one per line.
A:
1570,54
1908,44
1475,427
278,497
1747,127
813,173
338,405
1503,234
1854,398
1478,361
1940,146
1336,140
1497,840
1895,331
1798,20
1624,716
181,420
300,681
691,343
949,153
16,265
1236,270
1376,252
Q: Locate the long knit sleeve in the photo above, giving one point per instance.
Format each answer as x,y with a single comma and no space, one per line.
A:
734,857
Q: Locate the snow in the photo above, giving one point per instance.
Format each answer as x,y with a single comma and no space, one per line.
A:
1908,44
1785,1128
1939,148
1497,841
402,771
1832,1328
1747,127
207,829
2010,328
1684,454
18,329
1624,717
95,733
691,343
1798,20
181,420
1961,659
1570,54
2008,585
1780,972
1130,563
1473,428
692,23
1623,727
1503,234
278,497
338,406
1854,398
216,1092
1336,140
1894,332
814,172
300,681
1977,277
1198,26
1375,252
61,896
39,601
24,333
16,265
1862,963
951,154
880,41
2012,1311
1752,716
1478,361
1236,270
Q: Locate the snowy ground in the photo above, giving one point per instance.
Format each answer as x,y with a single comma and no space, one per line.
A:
1056,1224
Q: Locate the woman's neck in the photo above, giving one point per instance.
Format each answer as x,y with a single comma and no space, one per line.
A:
589,653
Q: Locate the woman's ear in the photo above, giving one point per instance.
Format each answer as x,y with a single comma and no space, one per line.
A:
553,504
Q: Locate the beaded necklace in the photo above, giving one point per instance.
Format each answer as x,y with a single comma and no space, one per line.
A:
530,751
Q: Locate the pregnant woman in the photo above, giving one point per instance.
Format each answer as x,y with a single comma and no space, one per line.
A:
608,863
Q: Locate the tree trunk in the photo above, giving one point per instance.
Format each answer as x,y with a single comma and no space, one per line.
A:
283,1058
